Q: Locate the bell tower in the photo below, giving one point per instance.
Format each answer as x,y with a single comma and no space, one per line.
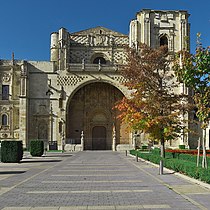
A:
160,27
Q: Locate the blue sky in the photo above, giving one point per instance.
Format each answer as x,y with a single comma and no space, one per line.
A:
26,25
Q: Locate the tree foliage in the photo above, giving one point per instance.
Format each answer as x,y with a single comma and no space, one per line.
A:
194,71
155,106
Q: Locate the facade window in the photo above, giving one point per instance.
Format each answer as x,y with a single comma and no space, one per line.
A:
163,40
4,120
100,60
5,92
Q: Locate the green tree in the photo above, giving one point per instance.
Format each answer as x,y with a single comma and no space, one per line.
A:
155,107
194,71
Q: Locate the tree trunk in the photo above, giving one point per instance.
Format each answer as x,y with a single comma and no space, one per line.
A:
204,160
162,155
198,156
162,148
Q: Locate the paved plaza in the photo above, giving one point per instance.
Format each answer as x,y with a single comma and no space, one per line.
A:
95,180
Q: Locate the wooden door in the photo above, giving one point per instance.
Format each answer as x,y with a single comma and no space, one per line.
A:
99,138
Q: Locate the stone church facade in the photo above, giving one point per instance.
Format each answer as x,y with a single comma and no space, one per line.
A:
68,102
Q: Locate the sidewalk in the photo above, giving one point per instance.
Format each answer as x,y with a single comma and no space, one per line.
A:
95,180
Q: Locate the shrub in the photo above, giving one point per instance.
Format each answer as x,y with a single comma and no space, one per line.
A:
11,151
181,146
36,148
156,151
144,147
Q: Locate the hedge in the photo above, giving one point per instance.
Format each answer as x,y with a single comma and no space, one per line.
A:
36,148
186,167
179,155
181,146
11,151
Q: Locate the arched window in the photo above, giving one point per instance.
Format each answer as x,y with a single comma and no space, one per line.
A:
163,40
4,119
100,60
5,92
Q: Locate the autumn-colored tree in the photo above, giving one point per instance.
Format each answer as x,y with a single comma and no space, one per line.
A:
155,106
194,71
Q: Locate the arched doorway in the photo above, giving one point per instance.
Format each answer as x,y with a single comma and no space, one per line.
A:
164,40
91,110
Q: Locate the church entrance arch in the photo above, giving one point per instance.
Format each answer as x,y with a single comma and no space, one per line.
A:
91,110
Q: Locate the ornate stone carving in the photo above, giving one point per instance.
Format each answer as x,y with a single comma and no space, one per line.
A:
6,77
100,40
4,135
119,79
70,80
6,108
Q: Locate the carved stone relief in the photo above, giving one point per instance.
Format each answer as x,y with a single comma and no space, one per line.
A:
70,80
100,40
6,77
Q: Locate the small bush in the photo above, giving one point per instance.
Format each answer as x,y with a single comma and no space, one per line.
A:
11,151
181,146
36,148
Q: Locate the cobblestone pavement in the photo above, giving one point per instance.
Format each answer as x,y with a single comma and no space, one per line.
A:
95,180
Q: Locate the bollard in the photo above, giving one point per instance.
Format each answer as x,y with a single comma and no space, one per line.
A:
137,158
126,152
161,167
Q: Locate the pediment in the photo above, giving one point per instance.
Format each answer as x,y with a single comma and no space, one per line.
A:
98,30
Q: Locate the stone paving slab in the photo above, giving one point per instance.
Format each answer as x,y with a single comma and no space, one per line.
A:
96,180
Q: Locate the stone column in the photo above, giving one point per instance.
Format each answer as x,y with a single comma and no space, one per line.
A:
147,31
23,119
183,33
133,34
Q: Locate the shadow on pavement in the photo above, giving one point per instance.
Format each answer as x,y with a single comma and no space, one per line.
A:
12,172
39,161
169,173
48,156
62,155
